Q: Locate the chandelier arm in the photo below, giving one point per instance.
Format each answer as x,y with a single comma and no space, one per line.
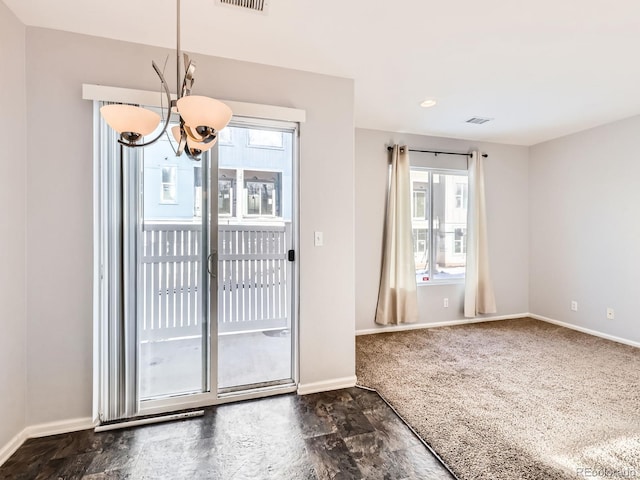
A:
167,120
182,144
187,84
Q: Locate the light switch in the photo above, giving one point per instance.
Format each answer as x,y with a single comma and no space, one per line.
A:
318,240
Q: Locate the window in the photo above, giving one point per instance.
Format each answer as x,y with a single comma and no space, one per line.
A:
197,191
265,139
225,197
260,198
461,195
460,241
419,203
439,220
168,191
262,193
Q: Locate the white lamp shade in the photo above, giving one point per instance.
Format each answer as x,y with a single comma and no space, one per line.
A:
127,118
176,133
192,144
203,147
201,111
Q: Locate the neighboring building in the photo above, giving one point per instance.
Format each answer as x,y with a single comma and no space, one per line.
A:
253,172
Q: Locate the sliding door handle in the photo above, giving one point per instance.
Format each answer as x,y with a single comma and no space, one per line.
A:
212,266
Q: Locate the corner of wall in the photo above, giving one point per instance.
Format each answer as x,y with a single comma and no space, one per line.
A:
13,198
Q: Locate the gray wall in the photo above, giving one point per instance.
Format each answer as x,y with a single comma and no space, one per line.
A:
13,196
60,216
506,172
585,228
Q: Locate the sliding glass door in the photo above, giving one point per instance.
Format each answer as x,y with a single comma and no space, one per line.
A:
256,327
197,272
172,279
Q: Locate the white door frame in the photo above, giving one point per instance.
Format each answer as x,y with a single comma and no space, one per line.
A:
244,112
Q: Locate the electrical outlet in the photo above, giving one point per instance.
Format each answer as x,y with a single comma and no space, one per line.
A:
574,306
446,303
611,314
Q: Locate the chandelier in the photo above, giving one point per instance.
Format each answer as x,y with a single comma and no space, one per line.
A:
201,118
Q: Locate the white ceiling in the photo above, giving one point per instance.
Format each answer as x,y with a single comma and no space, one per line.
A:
541,69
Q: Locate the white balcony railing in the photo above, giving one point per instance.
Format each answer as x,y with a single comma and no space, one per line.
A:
253,279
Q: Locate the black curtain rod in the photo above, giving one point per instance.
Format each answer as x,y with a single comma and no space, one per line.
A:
435,152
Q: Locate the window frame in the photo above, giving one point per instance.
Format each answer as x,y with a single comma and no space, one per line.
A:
277,186
434,173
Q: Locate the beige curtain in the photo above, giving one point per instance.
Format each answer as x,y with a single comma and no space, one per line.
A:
398,296
478,292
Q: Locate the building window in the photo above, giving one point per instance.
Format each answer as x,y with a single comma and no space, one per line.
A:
225,197
168,191
262,192
260,198
265,139
419,204
197,191
439,220
460,241
461,195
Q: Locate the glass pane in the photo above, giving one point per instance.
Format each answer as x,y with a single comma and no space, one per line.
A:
170,279
254,275
421,253
450,225
420,212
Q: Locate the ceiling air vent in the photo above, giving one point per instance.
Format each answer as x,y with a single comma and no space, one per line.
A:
254,5
479,120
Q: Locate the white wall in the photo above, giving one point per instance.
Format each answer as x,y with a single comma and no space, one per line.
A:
584,194
13,196
60,205
506,172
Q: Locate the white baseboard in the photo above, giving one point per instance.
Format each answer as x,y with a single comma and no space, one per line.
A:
588,331
44,430
326,385
14,444
55,428
449,323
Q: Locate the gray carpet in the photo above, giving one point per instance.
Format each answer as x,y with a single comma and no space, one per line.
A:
514,399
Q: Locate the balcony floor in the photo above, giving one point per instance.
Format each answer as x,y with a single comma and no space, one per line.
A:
175,366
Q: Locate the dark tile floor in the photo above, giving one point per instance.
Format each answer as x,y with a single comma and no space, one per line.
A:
345,434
